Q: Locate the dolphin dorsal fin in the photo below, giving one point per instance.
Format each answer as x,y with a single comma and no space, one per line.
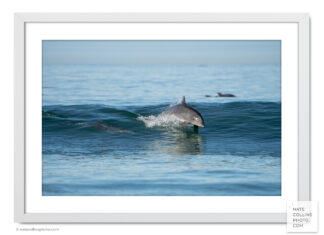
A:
183,100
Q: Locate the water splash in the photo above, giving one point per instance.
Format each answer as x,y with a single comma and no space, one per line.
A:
161,120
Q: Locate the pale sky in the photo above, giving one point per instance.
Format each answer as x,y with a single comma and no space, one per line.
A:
161,51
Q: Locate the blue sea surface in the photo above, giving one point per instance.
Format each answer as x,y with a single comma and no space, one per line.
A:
103,135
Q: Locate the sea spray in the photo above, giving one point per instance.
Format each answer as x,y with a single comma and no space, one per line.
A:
161,120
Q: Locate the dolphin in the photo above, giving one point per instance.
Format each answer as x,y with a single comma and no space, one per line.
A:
102,126
224,95
186,114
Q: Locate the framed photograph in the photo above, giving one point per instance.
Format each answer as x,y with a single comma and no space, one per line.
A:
160,118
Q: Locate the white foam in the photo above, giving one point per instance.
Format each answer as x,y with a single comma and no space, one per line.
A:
161,120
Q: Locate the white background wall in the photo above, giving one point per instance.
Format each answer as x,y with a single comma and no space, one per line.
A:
7,8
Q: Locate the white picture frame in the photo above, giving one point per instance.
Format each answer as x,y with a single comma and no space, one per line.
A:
303,194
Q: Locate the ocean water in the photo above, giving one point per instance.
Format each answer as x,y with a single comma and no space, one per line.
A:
103,133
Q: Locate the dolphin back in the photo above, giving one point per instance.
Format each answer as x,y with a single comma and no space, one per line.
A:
183,112
183,100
